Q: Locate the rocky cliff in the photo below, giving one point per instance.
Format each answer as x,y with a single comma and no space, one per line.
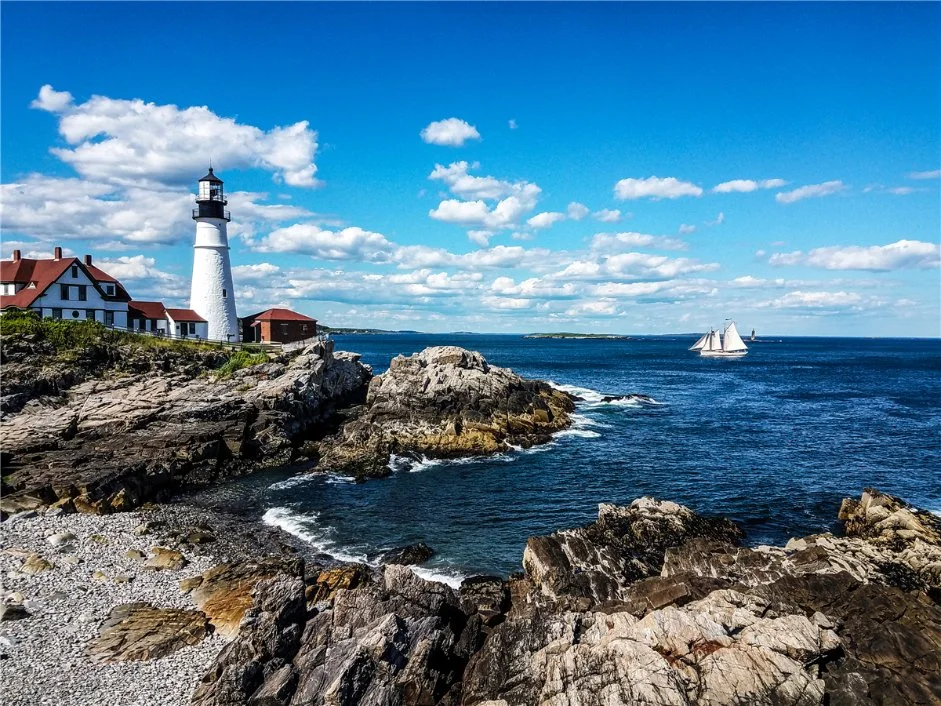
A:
444,402
115,430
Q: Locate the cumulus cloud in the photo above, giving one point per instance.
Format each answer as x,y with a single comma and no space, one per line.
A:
133,142
610,242
607,215
747,185
814,300
577,211
545,219
452,132
686,228
601,307
655,188
51,100
347,244
903,254
811,191
514,199
632,266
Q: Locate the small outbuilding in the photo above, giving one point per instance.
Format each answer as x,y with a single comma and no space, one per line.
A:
277,326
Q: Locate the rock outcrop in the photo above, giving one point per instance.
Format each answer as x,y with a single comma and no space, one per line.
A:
139,631
653,604
110,443
444,402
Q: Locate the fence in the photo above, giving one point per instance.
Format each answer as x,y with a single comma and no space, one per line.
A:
270,346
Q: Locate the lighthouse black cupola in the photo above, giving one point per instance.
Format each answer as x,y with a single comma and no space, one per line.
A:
210,200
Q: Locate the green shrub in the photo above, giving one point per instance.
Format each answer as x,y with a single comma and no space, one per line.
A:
239,360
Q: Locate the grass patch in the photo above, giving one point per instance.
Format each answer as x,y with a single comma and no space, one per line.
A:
238,361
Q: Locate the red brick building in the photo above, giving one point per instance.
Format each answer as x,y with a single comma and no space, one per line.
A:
277,325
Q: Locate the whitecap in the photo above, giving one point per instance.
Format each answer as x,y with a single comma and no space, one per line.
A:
304,526
293,481
582,433
440,575
592,398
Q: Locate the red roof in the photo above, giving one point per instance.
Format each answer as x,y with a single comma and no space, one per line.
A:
146,310
185,315
280,315
44,273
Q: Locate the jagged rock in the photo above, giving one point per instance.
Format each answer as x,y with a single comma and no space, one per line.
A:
226,591
600,560
412,554
110,443
444,402
139,631
164,558
35,564
325,585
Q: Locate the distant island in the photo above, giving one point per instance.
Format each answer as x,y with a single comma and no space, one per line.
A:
604,336
362,331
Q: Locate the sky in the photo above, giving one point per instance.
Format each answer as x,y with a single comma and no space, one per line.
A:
623,168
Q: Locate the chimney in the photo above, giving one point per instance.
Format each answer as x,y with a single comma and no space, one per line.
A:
16,255
88,260
58,253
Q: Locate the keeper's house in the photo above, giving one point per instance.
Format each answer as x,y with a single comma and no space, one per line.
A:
63,288
277,326
175,323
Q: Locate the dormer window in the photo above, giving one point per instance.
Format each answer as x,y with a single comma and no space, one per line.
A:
109,290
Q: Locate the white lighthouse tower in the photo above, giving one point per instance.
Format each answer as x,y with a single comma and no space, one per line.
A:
212,295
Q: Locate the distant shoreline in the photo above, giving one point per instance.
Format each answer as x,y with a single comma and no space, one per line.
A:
579,336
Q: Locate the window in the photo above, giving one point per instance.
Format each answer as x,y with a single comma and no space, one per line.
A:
303,328
192,327
64,292
74,271
57,313
223,294
75,314
109,318
90,314
109,290
82,293
284,329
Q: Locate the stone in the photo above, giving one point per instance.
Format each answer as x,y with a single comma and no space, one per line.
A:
326,584
187,585
140,631
163,558
62,540
443,402
135,554
12,611
417,553
35,564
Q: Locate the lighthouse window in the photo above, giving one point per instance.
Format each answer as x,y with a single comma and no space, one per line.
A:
223,294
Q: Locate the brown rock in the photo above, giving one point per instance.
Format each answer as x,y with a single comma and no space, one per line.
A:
164,558
35,564
135,554
330,581
187,585
139,631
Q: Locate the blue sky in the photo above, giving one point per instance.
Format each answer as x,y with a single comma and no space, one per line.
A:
632,168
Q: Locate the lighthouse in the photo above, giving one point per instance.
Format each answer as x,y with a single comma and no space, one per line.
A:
212,295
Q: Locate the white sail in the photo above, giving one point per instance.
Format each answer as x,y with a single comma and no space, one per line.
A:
715,342
700,343
733,342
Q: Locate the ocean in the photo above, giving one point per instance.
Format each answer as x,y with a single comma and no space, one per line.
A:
774,440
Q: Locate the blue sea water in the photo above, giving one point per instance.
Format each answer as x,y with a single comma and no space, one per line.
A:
773,440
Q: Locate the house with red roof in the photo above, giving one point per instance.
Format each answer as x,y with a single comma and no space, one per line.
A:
154,317
277,326
63,288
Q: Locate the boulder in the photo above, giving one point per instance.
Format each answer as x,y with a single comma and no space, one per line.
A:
140,631
444,402
417,553
163,558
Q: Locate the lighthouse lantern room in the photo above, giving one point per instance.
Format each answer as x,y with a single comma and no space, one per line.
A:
212,295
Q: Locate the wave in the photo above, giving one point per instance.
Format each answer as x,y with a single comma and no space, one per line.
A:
305,527
593,398
451,577
293,481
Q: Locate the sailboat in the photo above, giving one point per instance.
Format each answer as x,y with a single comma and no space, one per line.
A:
728,344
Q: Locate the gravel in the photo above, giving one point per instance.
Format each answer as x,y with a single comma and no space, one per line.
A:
43,658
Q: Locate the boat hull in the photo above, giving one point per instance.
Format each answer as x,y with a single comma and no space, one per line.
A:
722,354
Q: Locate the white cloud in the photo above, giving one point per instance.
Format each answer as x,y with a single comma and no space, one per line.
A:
655,188
814,300
604,307
607,215
260,272
608,242
577,211
719,220
932,174
512,124
452,132
515,198
903,254
811,191
747,185
506,303
545,219
51,100
132,142
481,237
632,266
347,244
686,228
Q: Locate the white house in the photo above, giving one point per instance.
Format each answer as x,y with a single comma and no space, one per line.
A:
154,317
63,288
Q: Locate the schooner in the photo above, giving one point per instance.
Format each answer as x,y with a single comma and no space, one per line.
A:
728,344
